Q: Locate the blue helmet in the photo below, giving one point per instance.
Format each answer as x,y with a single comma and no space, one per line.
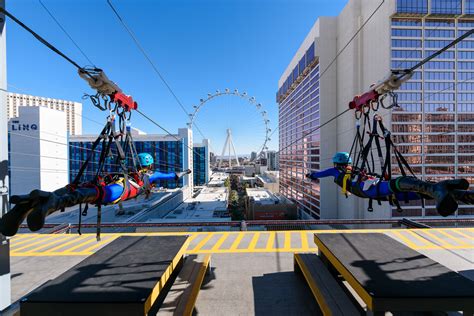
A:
342,157
145,159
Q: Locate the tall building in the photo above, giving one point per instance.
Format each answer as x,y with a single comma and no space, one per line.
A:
201,159
253,156
38,150
437,100
272,160
72,109
171,154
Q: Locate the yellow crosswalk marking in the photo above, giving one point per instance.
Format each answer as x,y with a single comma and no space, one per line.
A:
39,241
405,240
24,240
203,242
73,245
304,240
74,239
82,244
270,241
237,241
254,241
459,232
220,242
106,240
287,243
450,236
442,242
54,241
424,241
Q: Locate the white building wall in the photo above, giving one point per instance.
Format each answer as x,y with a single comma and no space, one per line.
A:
187,135
38,150
72,109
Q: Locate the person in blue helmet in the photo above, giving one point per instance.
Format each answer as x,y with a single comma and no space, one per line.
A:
446,193
112,189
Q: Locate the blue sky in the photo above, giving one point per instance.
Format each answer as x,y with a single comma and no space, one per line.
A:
198,46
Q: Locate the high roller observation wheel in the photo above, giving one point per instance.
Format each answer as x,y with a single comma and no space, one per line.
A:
243,95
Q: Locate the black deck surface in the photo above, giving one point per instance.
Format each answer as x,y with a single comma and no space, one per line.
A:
125,271
389,269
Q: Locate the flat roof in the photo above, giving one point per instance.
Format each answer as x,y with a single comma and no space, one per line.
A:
267,284
209,205
263,196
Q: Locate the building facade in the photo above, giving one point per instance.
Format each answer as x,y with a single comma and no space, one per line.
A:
201,159
38,150
433,125
170,153
72,109
272,160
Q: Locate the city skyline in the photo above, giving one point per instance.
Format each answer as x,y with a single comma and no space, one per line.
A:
179,45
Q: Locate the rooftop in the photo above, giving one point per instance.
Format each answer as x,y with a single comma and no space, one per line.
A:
210,204
252,271
264,196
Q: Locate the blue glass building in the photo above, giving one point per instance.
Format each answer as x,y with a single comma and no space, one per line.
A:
170,155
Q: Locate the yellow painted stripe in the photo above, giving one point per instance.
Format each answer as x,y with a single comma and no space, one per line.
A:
459,241
237,241
441,241
188,310
312,285
287,243
91,239
220,241
75,239
106,240
25,240
345,273
304,240
254,241
270,241
417,236
405,240
164,278
203,242
192,237
54,241
459,232
38,241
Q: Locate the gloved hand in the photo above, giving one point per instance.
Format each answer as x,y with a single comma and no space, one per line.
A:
182,174
308,175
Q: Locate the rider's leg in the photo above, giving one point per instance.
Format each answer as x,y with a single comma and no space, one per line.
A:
446,204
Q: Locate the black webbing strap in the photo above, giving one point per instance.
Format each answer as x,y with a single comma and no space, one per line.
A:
102,135
99,220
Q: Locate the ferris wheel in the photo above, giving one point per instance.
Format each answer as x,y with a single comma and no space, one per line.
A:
265,122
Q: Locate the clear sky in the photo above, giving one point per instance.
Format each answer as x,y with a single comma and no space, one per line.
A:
198,46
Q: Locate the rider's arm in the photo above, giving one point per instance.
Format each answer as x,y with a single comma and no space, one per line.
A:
156,176
331,172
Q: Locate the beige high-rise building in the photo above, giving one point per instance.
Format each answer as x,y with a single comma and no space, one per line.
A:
72,109
433,125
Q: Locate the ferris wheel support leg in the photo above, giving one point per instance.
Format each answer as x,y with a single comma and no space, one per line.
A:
223,152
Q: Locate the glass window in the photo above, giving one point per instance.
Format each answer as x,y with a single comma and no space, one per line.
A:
406,22
439,23
407,43
444,55
407,32
310,54
465,55
406,54
295,73
439,33
302,64
446,6
412,6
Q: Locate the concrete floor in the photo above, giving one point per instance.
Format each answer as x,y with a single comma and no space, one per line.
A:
252,276
255,284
